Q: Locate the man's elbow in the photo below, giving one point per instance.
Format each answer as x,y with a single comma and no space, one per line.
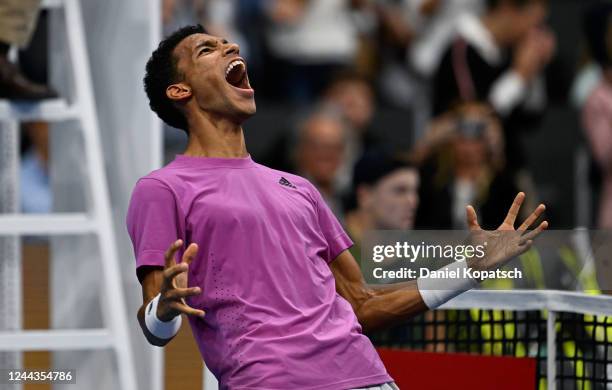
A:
362,306
365,311
365,319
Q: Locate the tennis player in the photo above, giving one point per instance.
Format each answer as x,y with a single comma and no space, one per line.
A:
274,298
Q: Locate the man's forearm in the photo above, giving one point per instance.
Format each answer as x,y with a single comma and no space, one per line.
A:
375,306
390,305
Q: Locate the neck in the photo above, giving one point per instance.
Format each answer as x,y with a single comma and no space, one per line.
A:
215,136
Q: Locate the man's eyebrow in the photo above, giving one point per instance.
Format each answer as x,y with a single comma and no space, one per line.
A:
208,42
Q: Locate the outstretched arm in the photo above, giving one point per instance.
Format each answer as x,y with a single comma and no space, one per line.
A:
382,306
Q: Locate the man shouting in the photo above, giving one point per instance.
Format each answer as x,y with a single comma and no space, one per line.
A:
274,298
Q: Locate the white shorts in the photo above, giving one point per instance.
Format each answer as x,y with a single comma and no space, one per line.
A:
384,386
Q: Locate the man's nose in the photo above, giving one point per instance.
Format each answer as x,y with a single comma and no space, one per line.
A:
231,48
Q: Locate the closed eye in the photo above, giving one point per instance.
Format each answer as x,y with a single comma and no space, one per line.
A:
205,50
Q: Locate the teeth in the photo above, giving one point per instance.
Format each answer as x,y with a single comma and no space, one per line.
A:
232,65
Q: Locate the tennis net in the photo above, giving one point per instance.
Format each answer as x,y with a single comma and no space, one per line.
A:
569,334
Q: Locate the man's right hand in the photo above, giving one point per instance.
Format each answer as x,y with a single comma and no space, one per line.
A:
174,288
506,242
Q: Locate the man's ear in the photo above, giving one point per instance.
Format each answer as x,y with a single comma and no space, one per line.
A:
178,91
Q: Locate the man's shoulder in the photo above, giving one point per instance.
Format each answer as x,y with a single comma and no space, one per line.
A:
166,178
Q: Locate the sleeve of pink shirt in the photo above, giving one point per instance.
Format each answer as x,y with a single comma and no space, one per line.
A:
153,221
336,237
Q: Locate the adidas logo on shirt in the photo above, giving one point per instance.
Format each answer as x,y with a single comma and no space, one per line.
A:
286,183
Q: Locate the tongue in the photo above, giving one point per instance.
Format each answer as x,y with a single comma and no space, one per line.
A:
235,76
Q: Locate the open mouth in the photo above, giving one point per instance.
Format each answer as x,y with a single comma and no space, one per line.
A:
236,74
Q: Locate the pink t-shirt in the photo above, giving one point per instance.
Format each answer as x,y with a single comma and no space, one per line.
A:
273,317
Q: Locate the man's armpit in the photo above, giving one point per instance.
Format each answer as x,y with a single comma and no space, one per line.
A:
144,270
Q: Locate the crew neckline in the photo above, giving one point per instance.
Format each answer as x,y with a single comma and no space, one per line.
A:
214,162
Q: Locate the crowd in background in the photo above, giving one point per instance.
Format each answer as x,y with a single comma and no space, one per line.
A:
402,112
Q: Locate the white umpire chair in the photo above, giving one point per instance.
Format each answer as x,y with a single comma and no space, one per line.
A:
96,220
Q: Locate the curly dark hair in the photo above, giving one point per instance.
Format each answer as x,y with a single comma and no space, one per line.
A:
161,71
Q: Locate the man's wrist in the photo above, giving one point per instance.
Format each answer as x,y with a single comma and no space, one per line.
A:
164,316
437,291
476,264
157,327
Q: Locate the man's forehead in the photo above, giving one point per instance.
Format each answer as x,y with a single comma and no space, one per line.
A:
183,51
191,41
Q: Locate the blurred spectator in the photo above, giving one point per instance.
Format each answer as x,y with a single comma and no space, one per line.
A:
434,23
352,97
414,34
319,154
177,13
499,58
585,81
17,23
309,40
462,159
397,85
352,94
35,189
387,196
597,111
36,195
349,102
221,19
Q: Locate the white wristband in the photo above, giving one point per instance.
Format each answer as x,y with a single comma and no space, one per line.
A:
158,328
436,291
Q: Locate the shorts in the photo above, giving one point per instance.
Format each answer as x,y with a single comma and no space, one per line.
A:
384,386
